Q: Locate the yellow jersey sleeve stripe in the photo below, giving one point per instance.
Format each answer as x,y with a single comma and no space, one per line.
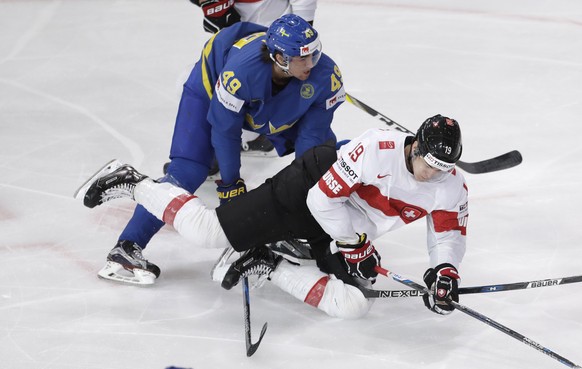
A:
208,85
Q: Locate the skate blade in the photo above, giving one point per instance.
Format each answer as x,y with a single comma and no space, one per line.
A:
115,272
221,266
257,282
214,177
106,169
260,154
219,272
295,260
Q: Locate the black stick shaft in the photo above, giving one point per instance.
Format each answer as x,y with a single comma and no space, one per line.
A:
490,322
247,314
504,161
479,289
521,285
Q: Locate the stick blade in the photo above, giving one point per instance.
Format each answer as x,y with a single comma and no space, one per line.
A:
252,348
505,161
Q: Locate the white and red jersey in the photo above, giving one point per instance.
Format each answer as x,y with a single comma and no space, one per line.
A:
370,190
264,12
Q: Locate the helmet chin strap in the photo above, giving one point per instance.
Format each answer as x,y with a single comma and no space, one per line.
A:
413,153
284,68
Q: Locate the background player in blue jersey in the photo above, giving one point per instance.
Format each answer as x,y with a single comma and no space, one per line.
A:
275,81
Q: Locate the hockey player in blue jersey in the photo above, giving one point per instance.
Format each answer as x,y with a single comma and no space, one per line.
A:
275,81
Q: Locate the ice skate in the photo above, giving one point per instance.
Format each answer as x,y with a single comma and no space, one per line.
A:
259,261
214,172
294,250
115,180
126,264
260,146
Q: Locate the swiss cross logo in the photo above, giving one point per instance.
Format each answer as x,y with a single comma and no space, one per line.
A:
410,213
386,145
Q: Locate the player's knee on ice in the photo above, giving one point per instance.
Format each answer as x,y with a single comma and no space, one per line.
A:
316,288
344,301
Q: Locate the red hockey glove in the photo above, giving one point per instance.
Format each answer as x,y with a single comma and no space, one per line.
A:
361,258
230,191
443,281
218,14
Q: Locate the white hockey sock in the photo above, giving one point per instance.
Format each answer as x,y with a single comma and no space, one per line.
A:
316,288
156,197
184,211
307,283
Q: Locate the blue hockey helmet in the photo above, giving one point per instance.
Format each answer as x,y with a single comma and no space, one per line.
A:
292,36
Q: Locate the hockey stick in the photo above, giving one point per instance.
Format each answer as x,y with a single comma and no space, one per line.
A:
521,285
490,322
505,161
251,347
478,289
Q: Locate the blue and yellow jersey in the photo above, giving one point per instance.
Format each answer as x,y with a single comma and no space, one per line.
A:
239,83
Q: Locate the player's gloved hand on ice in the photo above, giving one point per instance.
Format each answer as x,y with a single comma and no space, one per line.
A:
361,258
443,282
227,192
217,14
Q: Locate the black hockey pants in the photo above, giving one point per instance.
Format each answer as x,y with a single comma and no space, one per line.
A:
276,210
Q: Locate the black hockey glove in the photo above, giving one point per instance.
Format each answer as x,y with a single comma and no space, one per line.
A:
218,14
227,192
361,258
443,282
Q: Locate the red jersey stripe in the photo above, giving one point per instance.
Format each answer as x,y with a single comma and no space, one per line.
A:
332,185
390,207
448,221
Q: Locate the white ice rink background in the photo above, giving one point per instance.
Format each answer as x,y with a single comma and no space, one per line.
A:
83,81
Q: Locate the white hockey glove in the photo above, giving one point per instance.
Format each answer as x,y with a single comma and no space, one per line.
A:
361,258
443,281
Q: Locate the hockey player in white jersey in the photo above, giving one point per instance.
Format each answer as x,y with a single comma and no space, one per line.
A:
339,202
223,13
